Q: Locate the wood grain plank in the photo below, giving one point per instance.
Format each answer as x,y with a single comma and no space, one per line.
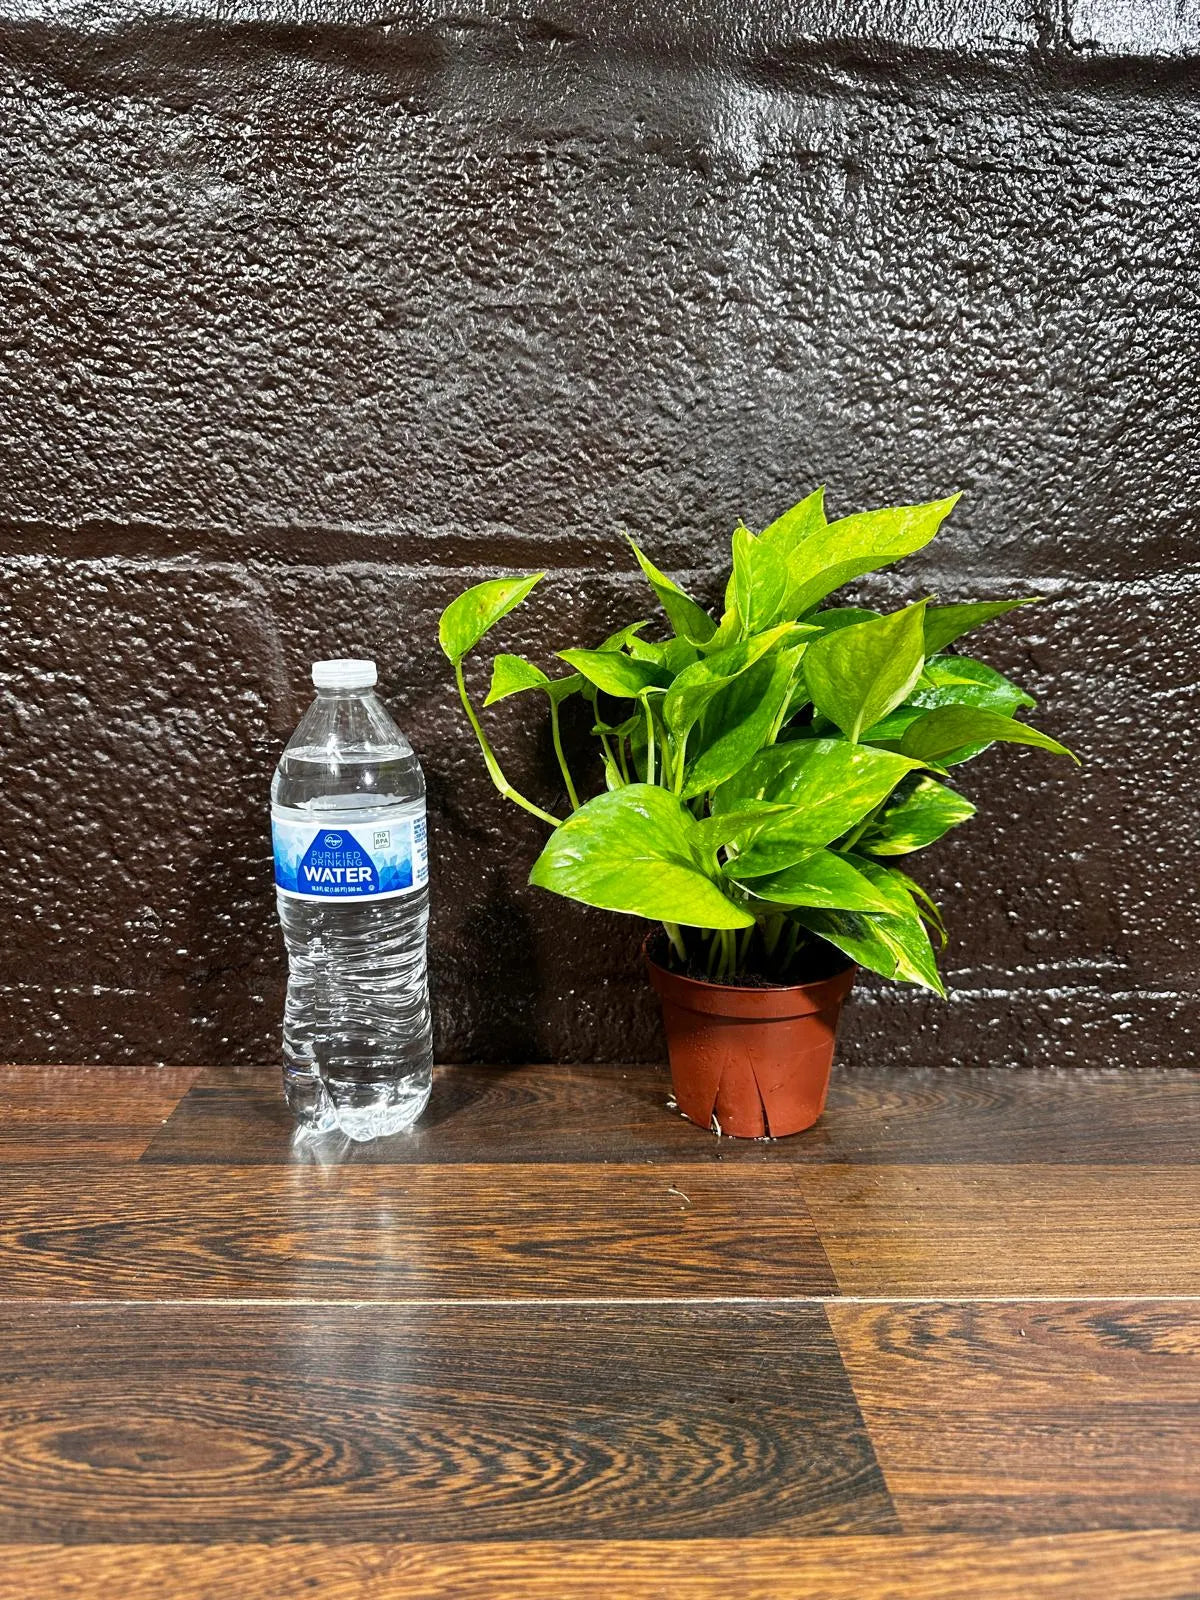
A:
133,1424
619,1113
1030,1418
50,1114
1117,1566
1008,1230
374,1233
965,1115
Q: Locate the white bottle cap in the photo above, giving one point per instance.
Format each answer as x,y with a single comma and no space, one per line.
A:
344,674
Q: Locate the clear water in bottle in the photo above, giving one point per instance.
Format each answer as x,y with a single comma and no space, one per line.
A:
351,876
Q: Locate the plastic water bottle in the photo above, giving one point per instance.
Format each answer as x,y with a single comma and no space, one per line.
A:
351,878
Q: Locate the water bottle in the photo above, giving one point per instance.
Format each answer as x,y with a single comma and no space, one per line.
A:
351,879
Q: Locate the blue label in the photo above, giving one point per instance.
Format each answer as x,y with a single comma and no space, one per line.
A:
349,861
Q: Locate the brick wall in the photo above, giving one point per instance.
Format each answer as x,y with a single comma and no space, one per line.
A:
315,311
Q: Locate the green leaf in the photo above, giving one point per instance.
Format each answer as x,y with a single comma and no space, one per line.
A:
907,897
858,674
624,729
673,654
804,519
915,818
944,734
465,620
716,832
960,680
616,673
696,686
894,726
776,843
828,787
689,620
926,907
897,947
560,689
944,624
739,722
824,880
826,776
625,638
760,581
513,675
730,630
750,599
846,549
893,888
951,681
833,618
636,850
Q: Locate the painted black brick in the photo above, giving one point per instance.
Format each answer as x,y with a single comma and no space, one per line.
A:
313,314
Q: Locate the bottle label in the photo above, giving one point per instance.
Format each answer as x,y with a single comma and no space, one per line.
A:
332,860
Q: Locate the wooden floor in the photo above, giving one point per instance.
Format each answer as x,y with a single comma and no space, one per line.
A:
559,1343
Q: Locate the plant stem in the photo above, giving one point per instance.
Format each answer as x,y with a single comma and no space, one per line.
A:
649,741
675,935
493,766
610,761
664,764
558,751
679,755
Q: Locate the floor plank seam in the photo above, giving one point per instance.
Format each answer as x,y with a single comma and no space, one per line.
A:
522,1302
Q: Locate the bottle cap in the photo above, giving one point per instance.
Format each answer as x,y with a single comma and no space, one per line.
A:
344,674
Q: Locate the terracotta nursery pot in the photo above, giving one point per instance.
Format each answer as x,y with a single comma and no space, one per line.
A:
755,1059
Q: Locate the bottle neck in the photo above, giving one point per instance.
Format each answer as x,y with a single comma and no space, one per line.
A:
361,692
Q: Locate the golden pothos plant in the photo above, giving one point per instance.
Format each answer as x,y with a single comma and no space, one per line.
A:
765,771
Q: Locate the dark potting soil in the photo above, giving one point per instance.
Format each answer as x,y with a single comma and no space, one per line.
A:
813,964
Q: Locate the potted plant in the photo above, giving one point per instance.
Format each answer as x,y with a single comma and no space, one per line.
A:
763,775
